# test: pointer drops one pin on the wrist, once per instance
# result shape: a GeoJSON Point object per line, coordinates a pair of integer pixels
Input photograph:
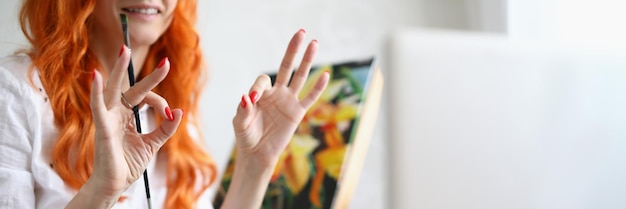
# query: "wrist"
{"type": "Point", "coordinates": [249, 181]}
{"type": "Point", "coordinates": [254, 164]}
{"type": "Point", "coordinates": [93, 194]}
{"type": "Point", "coordinates": [102, 188]}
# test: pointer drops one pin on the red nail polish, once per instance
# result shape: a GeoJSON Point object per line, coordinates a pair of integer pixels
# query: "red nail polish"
{"type": "Point", "coordinates": [243, 102]}
{"type": "Point", "coordinates": [162, 62]}
{"type": "Point", "coordinates": [121, 51]}
{"type": "Point", "coordinates": [169, 114]}
{"type": "Point", "coordinates": [254, 97]}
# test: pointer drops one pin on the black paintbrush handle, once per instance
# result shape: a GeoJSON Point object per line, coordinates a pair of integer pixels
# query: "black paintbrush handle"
{"type": "Point", "coordinates": [131, 80]}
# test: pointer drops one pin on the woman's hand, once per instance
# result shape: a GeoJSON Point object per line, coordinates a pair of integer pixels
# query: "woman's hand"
{"type": "Point", "coordinates": [122, 154]}
{"type": "Point", "coordinates": [266, 120]}
{"type": "Point", "coordinates": [267, 117]}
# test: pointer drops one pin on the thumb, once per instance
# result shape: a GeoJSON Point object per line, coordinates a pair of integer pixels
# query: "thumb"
{"type": "Point", "coordinates": [159, 136]}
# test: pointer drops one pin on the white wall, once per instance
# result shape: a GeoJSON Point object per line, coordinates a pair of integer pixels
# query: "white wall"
{"type": "Point", "coordinates": [592, 24]}
{"type": "Point", "coordinates": [11, 37]}
{"type": "Point", "coordinates": [243, 38]}
{"type": "Point", "coordinates": [485, 122]}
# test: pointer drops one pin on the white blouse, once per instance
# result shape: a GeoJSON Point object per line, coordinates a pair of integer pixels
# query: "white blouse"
{"type": "Point", "coordinates": [27, 136]}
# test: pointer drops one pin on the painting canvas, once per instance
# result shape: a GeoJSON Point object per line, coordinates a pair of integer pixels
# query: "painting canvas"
{"type": "Point", "coordinates": [310, 171]}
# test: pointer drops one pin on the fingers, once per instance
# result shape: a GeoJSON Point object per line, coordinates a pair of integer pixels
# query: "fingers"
{"type": "Point", "coordinates": [317, 90]}
{"type": "Point", "coordinates": [159, 103]}
{"type": "Point", "coordinates": [262, 83]}
{"type": "Point", "coordinates": [98, 108]}
{"type": "Point", "coordinates": [302, 73]}
{"type": "Point", "coordinates": [137, 93]}
{"type": "Point", "coordinates": [167, 128]}
{"type": "Point", "coordinates": [244, 110]}
{"type": "Point", "coordinates": [118, 74]}
{"type": "Point", "coordinates": [285, 70]}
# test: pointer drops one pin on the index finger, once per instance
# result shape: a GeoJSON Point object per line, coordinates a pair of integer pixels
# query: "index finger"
{"type": "Point", "coordinates": [113, 86]}
{"type": "Point", "coordinates": [286, 66]}
{"type": "Point", "coordinates": [137, 93]}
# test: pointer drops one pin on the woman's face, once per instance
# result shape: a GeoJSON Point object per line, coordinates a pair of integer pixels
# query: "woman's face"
{"type": "Point", "coordinates": [147, 19]}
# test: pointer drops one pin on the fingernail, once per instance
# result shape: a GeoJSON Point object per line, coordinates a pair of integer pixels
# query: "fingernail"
{"type": "Point", "coordinates": [243, 102]}
{"type": "Point", "coordinates": [302, 30]}
{"type": "Point", "coordinates": [315, 40]}
{"type": "Point", "coordinates": [121, 51]}
{"type": "Point", "coordinates": [254, 97]}
{"type": "Point", "coordinates": [162, 62]}
{"type": "Point", "coordinates": [93, 74]}
{"type": "Point", "coordinates": [169, 114]}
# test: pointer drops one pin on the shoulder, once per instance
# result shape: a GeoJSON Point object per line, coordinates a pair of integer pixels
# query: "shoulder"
{"type": "Point", "coordinates": [15, 64]}
{"type": "Point", "coordinates": [14, 73]}
{"type": "Point", "coordinates": [20, 90]}
{"type": "Point", "coordinates": [16, 79]}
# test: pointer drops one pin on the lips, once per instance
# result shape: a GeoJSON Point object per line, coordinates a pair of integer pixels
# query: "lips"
{"type": "Point", "coordinates": [142, 10]}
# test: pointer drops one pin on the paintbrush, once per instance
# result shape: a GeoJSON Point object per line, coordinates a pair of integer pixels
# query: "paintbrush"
{"type": "Point", "coordinates": [131, 80]}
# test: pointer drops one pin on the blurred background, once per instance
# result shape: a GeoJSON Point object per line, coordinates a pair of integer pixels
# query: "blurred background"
{"type": "Point", "coordinates": [487, 103]}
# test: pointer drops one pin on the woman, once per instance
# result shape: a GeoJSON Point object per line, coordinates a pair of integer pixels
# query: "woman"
{"type": "Point", "coordinates": [67, 137]}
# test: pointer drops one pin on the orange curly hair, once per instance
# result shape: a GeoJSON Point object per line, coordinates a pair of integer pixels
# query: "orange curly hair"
{"type": "Point", "coordinates": [59, 34]}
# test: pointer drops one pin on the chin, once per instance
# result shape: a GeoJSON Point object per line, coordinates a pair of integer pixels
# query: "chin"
{"type": "Point", "coordinates": [144, 39]}
{"type": "Point", "coordinates": [144, 33]}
